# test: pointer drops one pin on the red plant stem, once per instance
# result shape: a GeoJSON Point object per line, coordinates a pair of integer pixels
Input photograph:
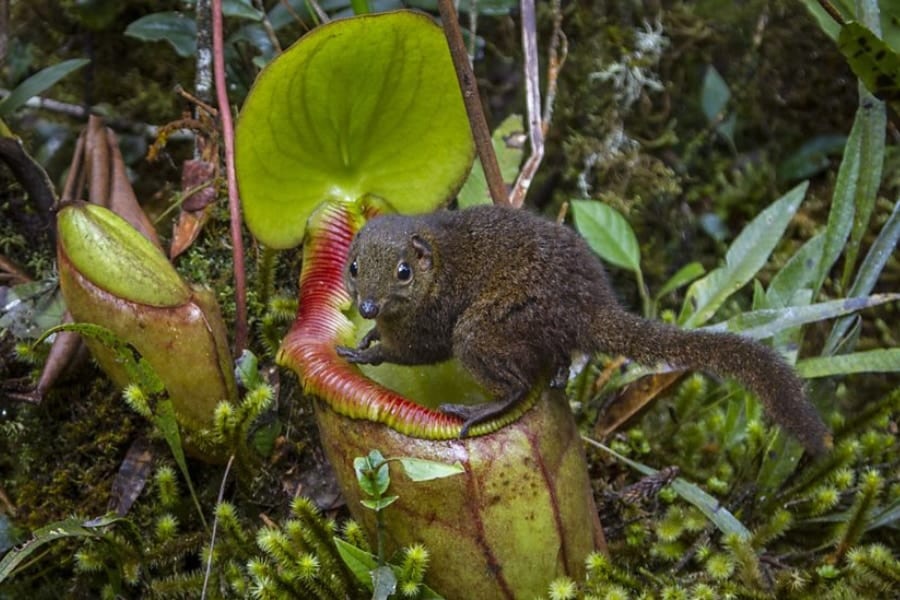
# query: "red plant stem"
{"type": "Point", "coordinates": [237, 245]}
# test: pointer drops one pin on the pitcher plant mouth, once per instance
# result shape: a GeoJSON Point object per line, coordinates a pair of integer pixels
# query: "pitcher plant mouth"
{"type": "Point", "coordinates": [322, 323]}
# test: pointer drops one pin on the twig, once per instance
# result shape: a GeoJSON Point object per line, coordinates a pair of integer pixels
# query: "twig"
{"type": "Point", "coordinates": [267, 25]}
{"type": "Point", "coordinates": [556, 58]}
{"type": "Point", "coordinates": [240, 286]}
{"type": "Point", "coordinates": [833, 12]}
{"type": "Point", "coordinates": [78, 111]}
{"type": "Point", "coordinates": [320, 14]}
{"type": "Point", "coordinates": [212, 537]}
{"type": "Point", "coordinates": [469, 86]}
{"type": "Point", "coordinates": [532, 104]}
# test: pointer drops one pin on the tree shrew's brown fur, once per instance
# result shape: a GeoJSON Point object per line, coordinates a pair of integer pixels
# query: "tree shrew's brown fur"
{"type": "Point", "coordinates": [512, 296]}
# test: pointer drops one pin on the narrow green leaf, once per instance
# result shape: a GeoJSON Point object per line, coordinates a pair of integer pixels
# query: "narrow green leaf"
{"type": "Point", "coordinates": [882, 360]}
{"type": "Point", "coordinates": [38, 83]}
{"type": "Point", "coordinates": [165, 421]}
{"type": "Point", "coordinates": [748, 253]}
{"type": "Point", "coordinates": [176, 28]}
{"type": "Point", "coordinates": [717, 514]}
{"type": "Point", "coordinates": [607, 233]}
{"type": "Point", "coordinates": [714, 94]}
{"type": "Point", "coordinates": [760, 324]}
{"type": "Point", "coordinates": [419, 469]}
{"type": "Point", "coordinates": [684, 276]}
{"type": "Point", "coordinates": [798, 273]}
{"type": "Point", "coordinates": [871, 162]}
{"type": "Point", "coordinates": [840, 217]}
{"type": "Point", "coordinates": [869, 272]}
{"type": "Point", "coordinates": [71, 527]}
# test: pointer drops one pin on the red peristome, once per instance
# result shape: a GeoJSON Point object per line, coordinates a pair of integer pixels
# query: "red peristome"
{"type": "Point", "coordinates": [309, 347]}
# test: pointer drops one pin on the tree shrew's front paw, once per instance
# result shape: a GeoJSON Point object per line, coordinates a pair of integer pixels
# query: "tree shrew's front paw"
{"type": "Point", "coordinates": [356, 355]}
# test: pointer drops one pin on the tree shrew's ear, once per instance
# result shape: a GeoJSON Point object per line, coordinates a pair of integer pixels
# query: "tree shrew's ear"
{"type": "Point", "coordinates": [422, 249]}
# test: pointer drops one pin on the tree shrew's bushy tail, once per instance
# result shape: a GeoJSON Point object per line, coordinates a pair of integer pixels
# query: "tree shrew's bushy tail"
{"type": "Point", "coordinates": [754, 365]}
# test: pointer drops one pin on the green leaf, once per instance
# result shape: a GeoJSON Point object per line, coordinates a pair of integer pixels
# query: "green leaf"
{"type": "Point", "coordinates": [508, 148]}
{"type": "Point", "coordinates": [869, 272]}
{"type": "Point", "coordinates": [811, 158]}
{"type": "Point", "coordinates": [872, 60]}
{"type": "Point", "coordinates": [241, 9]}
{"type": "Point", "coordinates": [746, 256]}
{"type": "Point", "coordinates": [714, 95]}
{"type": "Point", "coordinates": [67, 528]}
{"type": "Point", "coordinates": [843, 203]}
{"type": "Point", "coordinates": [165, 421]}
{"type": "Point", "coordinates": [685, 275]}
{"type": "Point", "coordinates": [717, 514]}
{"type": "Point", "coordinates": [607, 233]}
{"type": "Point", "coordinates": [870, 167]}
{"type": "Point", "coordinates": [379, 504]}
{"type": "Point", "coordinates": [419, 469]}
{"type": "Point", "coordinates": [384, 583]}
{"type": "Point", "coordinates": [882, 360]}
{"type": "Point", "coordinates": [246, 370]}
{"type": "Point", "coordinates": [767, 322]}
{"type": "Point", "coordinates": [367, 105]}
{"type": "Point", "coordinates": [38, 83]}
{"type": "Point", "coordinates": [176, 28]}
{"type": "Point", "coordinates": [798, 273]}
{"type": "Point", "coordinates": [360, 562]}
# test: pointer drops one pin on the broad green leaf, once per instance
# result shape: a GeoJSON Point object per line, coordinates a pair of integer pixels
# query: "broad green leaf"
{"type": "Point", "coordinates": [765, 323]}
{"type": "Point", "coordinates": [241, 9]}
{"type": "Point", "coordinates": [714, 94]}
{"type": "Point", "coordinates": [38, 83]}
{"type": "Point", "coordinates": [684, 276]}
{"type": "Point", "coordinates": [178, 29]}
{"type": "Point", "coordinates": [607, 233]}
{"type": "Point", "coordinates": [708, 505]}
{"type": "Point", "coordinates": [746, 256]}
{"type": "Point", "coordinates": [246, 370]}
{"type": "Point", "coordinates": [508, 149]}
{"type": "Point", "coordinates": [843, 202]}
{"type": "Point", "coordinates": [360, 562]}
{"type": "Point", "coordinates": [419, 469]}
{"type": "Point", "coordinates": [883, 360]}
{"type": "Point", "coordinates": [368, 105]}
{"type": "Point", "coordinates": [71, 527]}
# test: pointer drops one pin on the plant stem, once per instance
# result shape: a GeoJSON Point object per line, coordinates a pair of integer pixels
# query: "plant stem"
{"type": "Point", "coordinates": [237, 245]}
{"type": "Point", "coordinates": [469, 87]}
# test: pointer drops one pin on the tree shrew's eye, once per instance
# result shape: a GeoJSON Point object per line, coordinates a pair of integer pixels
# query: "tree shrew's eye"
{"type": "Point", "coordinates": [354, 269]}
{"type": "Point", "coordinates": [403, 271]}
